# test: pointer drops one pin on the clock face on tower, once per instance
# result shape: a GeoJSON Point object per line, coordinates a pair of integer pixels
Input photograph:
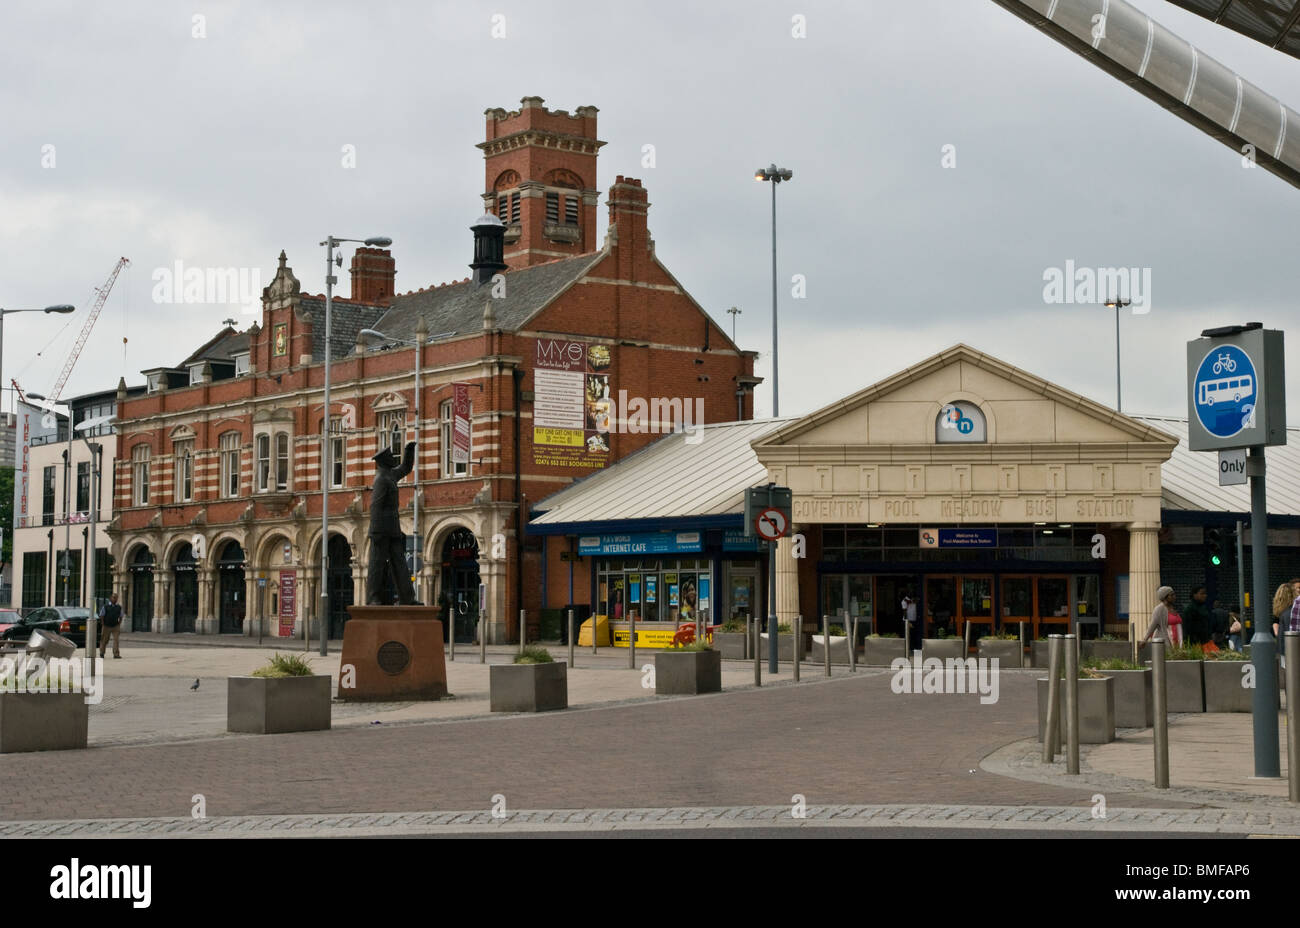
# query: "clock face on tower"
{"type": "Point", "coordinates": [281, 343]}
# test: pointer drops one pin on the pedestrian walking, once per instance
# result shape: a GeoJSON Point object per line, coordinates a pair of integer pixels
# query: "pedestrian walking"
{"type": "Point", "coordinates": [1197, 621]}
{"type": "Point", "coordinates": [1283, 600]}
{"type": "Point", "coordinates": [110, 618]}
{"type": "Point", "coordinates": [1160, 615]}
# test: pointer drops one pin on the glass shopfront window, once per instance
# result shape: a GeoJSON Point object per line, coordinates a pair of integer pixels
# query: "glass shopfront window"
{"type": "Point", "coordinates": [655, 590]}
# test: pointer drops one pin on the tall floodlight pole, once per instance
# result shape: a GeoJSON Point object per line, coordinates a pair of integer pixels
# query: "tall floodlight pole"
{"type": "Point", "coordinates": [1117, 304]}
{"type": "Point", "coordinates": [330, 280]}
{"type": "Point", "coordinates": [61, 308]}
{"type": "Point", "coordinates": [734, 311]}
{"type": "Point", "coordinates": [775, 175]}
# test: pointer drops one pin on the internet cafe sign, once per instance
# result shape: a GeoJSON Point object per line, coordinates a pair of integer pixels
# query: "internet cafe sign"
{"type": "Point", "coordinates": [1236, 394]}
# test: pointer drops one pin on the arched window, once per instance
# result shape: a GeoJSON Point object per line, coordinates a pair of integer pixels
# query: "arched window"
{"type": "Point", "coordinates": [183, 453]}
{"type": "Point", "coordinates": [263, 462]}
{"type": "Point", "coordinates": [960, 422]}
{"type": "Point", "coordinates": [229, 464]}
{"type": "Point", "coordinates": [140, 474]}
{"type": "Point", "coordinates": [281, 461]}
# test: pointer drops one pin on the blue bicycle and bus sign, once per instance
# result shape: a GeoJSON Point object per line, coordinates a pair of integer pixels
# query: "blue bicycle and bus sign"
{"type": "Point", "coordinates": [1236, 394]}
{"type": "Point", "coordinates": [1225, 388]}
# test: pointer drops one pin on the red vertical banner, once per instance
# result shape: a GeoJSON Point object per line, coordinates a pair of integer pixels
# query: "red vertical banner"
{"type": "Point", "coordinates": [288, 601]}
{"type": "Point", "coordinates": [460, 430]}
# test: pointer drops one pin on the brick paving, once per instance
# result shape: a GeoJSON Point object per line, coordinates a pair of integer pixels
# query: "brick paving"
{"type": "Point", "coordinates": [848, 741]}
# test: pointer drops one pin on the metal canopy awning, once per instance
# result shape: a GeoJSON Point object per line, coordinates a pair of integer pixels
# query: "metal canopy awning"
{"type": "Point", "coordinates": [1276, 23]}
{"type": "Point", "coordinates": [1137, 50]}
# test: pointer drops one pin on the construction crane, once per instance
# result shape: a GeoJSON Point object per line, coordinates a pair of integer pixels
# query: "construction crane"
{"type": "Point", "coordinates": [101, 297]}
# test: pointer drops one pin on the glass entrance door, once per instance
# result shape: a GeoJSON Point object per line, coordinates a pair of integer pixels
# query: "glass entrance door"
{"type": "Point", "coordinates": [940, 606]}
{"type": "Point", "coordinates": [742, 593]}
{"type": "Point", "coordinates": [976, 606]}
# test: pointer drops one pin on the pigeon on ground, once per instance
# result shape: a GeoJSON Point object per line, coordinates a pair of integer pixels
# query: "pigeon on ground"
{"type": "Point", "coordinates": [195, 685]}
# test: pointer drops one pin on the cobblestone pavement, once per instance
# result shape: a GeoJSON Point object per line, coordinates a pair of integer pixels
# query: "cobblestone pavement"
{"type": "Point", "coordinates": [848, 740]}
{"type": "Point", "coordinates": [484, 821]}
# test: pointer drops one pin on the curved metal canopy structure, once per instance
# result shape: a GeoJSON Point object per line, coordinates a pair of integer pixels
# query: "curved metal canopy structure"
{"type": "Point", "coordinates": [1134, 48]}
{"type": "Point", "coordinates": [1276, 23]}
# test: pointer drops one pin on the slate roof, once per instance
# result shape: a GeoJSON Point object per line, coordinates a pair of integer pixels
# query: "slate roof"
{"type": "Point", "coordinates": [221, 347]}
{"type": "Point", "coordinates": [348, 319]}
{"type": "Point", "coordinates": [671, 478]}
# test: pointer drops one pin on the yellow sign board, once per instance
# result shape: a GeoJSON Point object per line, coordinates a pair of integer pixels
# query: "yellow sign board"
{"type": "Point", "coordinates": [645, 638]}
{"type": "Point", "coordinates": [571, 438]}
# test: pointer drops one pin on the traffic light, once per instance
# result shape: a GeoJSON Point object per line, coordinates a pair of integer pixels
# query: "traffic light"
{"type": "Point", "coordinates": [1214, 542]}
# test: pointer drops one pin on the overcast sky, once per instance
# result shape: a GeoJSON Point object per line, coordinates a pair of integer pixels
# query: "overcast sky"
{"type": "Point", "coordinates": [218, 151]}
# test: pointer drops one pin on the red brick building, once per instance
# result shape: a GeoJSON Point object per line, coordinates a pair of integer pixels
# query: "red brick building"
{"type": "Point", "coordinates": [573, 355]}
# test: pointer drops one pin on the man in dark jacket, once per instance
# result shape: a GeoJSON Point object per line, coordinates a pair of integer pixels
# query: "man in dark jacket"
{"type": "Point", "coordinates": [387, 541]}
{"type": "Point", "coordinates": [1196, 620]}
{"type": "Point", "coordinates": [110, 617]}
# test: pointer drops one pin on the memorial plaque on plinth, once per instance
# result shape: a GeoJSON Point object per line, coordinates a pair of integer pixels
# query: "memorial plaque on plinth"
{"type": "Point", "coordinates": [392, 653]}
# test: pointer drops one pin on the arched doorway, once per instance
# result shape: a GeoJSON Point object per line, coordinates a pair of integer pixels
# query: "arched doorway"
{"type": "Point", "coordinates": [185, 595]}
{"type": "Point", "coordinates": [231, 607]}
{"type": "Point", "coordinates": [459, 591]}
{"type": "Point", "coordinates": [141, 571]}
{"type": "Point", "coordinates": [340, 584]}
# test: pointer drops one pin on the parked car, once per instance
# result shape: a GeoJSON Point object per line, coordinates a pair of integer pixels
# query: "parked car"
{"type": "Point", "coordinates": [8, 617]}
{"type": "Point", "coordinates": [68, 621]}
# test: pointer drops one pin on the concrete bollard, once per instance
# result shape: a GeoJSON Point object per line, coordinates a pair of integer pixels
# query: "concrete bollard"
{"type": "Point", "coordinates": [798, 641]}
{"type": "Point", "coordinates": [826, 642]}
{"type": "Point", "coordinates": [1052, 729]}
{"type": "Point", "coordinates": [1071, 705]}
{"type": "Point", "coordinates": [1160, 730]}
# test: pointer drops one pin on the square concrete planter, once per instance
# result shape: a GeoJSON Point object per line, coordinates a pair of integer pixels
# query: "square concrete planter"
{"type": "Point", "coordinates": [688, 673]}
{"type": "Point", "coordinates": [1038, 654]}
{"type": "Point", "coordinates": [784, 647]}
{"type": "Point", "coordinates": [1096, 710]}
{"type": "Point", "coordinates": [1134, 704]}
{"type": "Point", "coordinates": [839, 650]}
{"type": "Point", "coordinates": [1185, 685]}
{"type": "Point", "coordinates": [1223, 689]}
{"type": "Point", "coordinates": [1008, 653]}
{"type": "Point", "coordinates": [274, 705]}
{"type": "Point", "coordinates": [43, 722]}
{"type": "Point", "coordinates": [529, 687]}
{"type": "Point", "coordinates": [881, 652]}
{"type": "Point", "coordinates": [1108, 650]}
{"type": "Point", "coordinates": [943, 648]}
{"type": "Point", "coordinates": [731, 645]}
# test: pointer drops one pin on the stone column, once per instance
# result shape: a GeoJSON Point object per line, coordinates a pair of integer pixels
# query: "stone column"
{"type": "Point", "coordinates": [205, 623]}
{"type": "Point", "coordinates": [252, 603]}
{"type": "Point", "coordinates": [787, 579]}
{"type": "Point", "coordinates": [161, 608]}
{"type": "Point", "coordinates": [1143, 575]}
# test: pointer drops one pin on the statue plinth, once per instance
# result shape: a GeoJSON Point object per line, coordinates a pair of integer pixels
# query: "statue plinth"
{"type": "Point", "coordinates": [391, 653]}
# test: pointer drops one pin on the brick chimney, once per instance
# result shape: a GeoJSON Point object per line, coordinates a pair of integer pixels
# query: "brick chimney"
{"type": "Point", "coordinates": [628, 208]}
{"type": "Point", "coordinates": [374, 274]}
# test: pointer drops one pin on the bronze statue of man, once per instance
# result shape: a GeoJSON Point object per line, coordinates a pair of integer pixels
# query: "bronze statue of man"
{"type": "Point", "coordinates": [387, 541]}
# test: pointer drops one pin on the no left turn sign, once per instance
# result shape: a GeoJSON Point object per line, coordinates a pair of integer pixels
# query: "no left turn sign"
{"type": "Point", "coordinates": [771, 524]}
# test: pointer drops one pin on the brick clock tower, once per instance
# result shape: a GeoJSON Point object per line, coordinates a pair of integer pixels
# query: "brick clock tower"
{"type": "Point", "coordinates": [541, 180]}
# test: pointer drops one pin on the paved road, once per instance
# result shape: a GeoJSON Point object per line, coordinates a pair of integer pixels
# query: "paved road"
{"type": "Point", "coordinates": [849, 740]}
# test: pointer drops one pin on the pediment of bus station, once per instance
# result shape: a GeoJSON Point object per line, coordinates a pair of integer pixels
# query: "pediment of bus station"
{"type": "Point", "coordinates": [1051, 455]}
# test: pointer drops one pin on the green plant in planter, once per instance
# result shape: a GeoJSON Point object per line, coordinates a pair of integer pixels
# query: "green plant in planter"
{"type": "Point", "coordinates": [1110, 663]}
{"type": "Point", "coordinates": [692, 646]}
{"type": "Point", "coordinates": [733, 625]}
{"type": "Point", "coordinates": [784, 628]}
{"type": "Point", "coordinates": [943, 633]}
{"type": "Point", "coordinates": [1002, 635]}
{"type": "Point", "coordinates": [837, 630]}
{"type": "Point", "coordinates": [1184, 652]}
{"type": "Point", "coordinates": [1224, 654]}
{"type": "Point", "coordinates": [884, 635]}
{"type": "Point", "coordinates": [284, 665]}
{"type": "Point", "coordinates": [534, 655]}
{"type": "Point", "coordinates": [1109, 637]}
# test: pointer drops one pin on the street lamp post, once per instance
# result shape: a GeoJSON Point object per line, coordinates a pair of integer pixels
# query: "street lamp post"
{"type": "Point", "coordinates": [1117, 304]}
{"type": "Point", "coordinates": [330, 244]}
{"type": "Point", "coordinates": [735, 311]}
{"type": "Point", "coordinates": [59, 308]}
{"type": "Point", "coordinates": [775, 175]}
{"type": "Point", "coordinates": [96, 450]}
